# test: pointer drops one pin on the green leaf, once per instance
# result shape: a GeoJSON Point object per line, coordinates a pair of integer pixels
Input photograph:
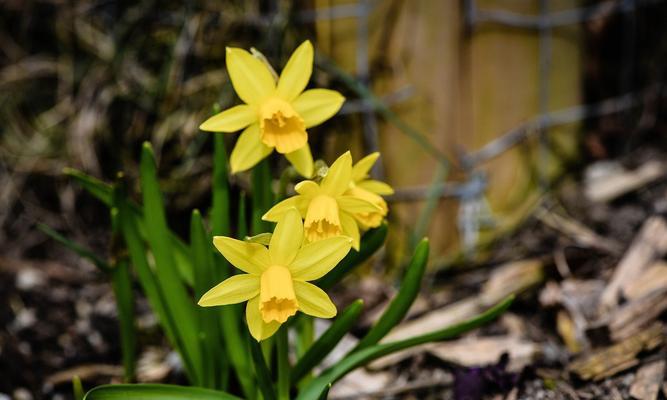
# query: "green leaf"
{"type": "Point", "coordinates": [305, 330]}
{"type": "Point", "coordinates": [262, 196]}
{"type": "Point", "coordinates": [314, 389]}
{"type": "Point", "coordinates": [284, 367]}
{"type": "Point", "coordinates": [128, 223]}
{"type": "Point", "coordinates": [220, 214]}
{"type": "Point", "coordinates": [75, 247]}
{"type": "Point", "coordinates": [430, 205]}
{"type": "Point", "coordinates": [103, 192]}
{"type": "Point", "coordinates": [215, 363]}
{"type": "Point", "coordinates": [329, 339]}
{"type": "Point", "coordinates": [178, 304]}
{"type": "Point", "coordinates": [242, 222]}
{"type": "Point", "coordinates": [155, 392]}
{"type": "Point", "coordinates": [261, 371]}
{"type": "Point", "coordinates": [77, 388]}
{"type": "Point", "coordinates": [122, 287]}
{"type": "Point", "coordinates": [230, 316]}
{"type": "Point", "coordinates": [94, 186]}
{"type": "Point", "coordinates": [370, 243]}
{"type": "Point", "coordinates": [325, 393]}
{"type": "Point", "coordinates": [400, 305]}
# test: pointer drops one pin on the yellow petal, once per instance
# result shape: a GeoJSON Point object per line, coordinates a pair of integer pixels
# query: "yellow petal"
{"type": "Point", "coordinates": [307, 188]}
{"type": "Point", "coordinates": [296, 74]}
{"type": "Point", "coordinates": [249, 150]}
{"type": "Point", "coordinates": [276, 212]}
{"type": "Point", "coordinates": [232, 290]}
{"type": "Point", "coordinates": [251, 258]}
{"type": "Point", "coordinates": [231, 120]}
{"type": "Point", "coordinates": [350, 229]}
{"type": "Point", "coordinates": [316, 259]}
{"type": "Point", "coordinates": [287, 238]}
{"type": "Point", "coordinates": [261, 238]}
{"type": "Point", "coordinates": [302, 160]}
{"type": "Point", "coordinates": [259, 329]}
{"type": "Point", "coordinates": [360, 169]}
{"type": "Point", "coordinates": [376, 187]}
{"type": "Point", "coordinates": [355, 205]}
{"type": "Point", "coordinates": [313, 300]}
{"type": "Point", "coordinates": [251, 79]}
{"type": "Point", "coordinates": [339, 176]}
{"type": "Point", "coordinates": [317, 105]}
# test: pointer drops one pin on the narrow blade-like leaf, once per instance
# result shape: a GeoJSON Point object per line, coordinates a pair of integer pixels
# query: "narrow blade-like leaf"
{"type": "Point", "coordinates": [215, 363]}
{"type": "Point", "coordinates": [314, 389]}
{"type": "Point", "coordinates": [329, 339]}
{"type": "Point", "coordinates": [370, 243]}
{"type": "Point", "coordinates": [262, 372]}
{"type": "Point", "coordinates": [155, 392]}
{"type": "Point", "coordinates": [178, 304]}
{"type": "Point", "coordinates": [75, 247]}
{"type": "Point", "coordinates": [400, 305]}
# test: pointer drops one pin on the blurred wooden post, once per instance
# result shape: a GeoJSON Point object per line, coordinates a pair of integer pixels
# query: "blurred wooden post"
{"type": "Point", "coordinates": [469, 88]}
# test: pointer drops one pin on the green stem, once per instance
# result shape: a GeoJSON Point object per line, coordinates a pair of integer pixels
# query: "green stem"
{"type": "Point", "coordinates": [306, 328]}
{"type": "Point", "coordinates": [283, 364]}
{"type": "Point", "coordinates": [262, 197]}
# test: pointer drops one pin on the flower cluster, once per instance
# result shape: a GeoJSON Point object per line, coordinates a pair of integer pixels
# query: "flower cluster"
{"type": "Point", "coordinates": [275, 114]}
{"type": "Point", "coordinates": [318, 226]}
{"type": "Point", "coordinates": [343, 203]}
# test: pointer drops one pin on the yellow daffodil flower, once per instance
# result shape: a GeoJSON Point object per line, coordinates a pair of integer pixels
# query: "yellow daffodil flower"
{"type": "Point", "coordinates": [369, 190]}
{"type": "Point", "coordinates": [275, 282]}
{"type": "Point", "coordinates": [276, 114]}
{"type": "Point", "coordinates": [326, 209]}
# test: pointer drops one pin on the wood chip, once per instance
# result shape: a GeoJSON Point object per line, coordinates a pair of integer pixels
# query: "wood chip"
{"type": "Point", "coordinates": [649, 245]}
{"type": "Point", "coordinates": [632, 317]}
{"type": "Point", "coordinates": [474, 352]}
{"type": "Point", "coordinates": [568, 332]}
{"type": "Point", "coordinates": [85, 372]}
{"type": "Point", "coordinates": [648, 380]}
{"type": "Point", "coordinates": [360, 381]}
{"type": "Point", "coordinates": [577, 232]}
{"type": "Point", "coordinates": [437, 319]}
{"type": "Point", "coordinates": [609, 186]}
{"type": "Point", "coordinates": [654, 278]}
{"type": "Point", "coordinates": [512, 277]}
{"type": "Point", "coordinates": [619, 357]}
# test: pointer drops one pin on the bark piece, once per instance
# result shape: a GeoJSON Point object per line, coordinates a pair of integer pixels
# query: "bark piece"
{"type": "Point", "coordinates": [474, 352]}
{"type": "Point", "coordinates": [632, 317]}
{"type": "Point", "coordinates": [579, 233]}
{"type": "Point", "coordinates": [619, 357]}
{"type": "Point", "coordinates": [616, 182]}
{"type": "Point", "coordinates": [512, 277]}
{"type": "Point", "coordinates": [85, 372]}
{"type": "Point", "coordinates": [509, 278]}
{"type": "Point", "coordinates": [654, 278]}
{"type": "Point", "coordinates": [649, 245]}
{"type": "Point", "coordinates": [648, 380]}
{"type": "Point", "coordinates": [568, 331]}
{"type": "Point", "coordinates": [438, 319]}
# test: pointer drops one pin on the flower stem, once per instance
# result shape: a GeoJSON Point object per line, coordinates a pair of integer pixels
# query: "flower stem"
{"type": "Point", "coordinates": [283, 364]}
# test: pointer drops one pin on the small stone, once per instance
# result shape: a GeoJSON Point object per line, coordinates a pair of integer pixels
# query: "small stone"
{"type": "Point", "coordinates": [29, 278]}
